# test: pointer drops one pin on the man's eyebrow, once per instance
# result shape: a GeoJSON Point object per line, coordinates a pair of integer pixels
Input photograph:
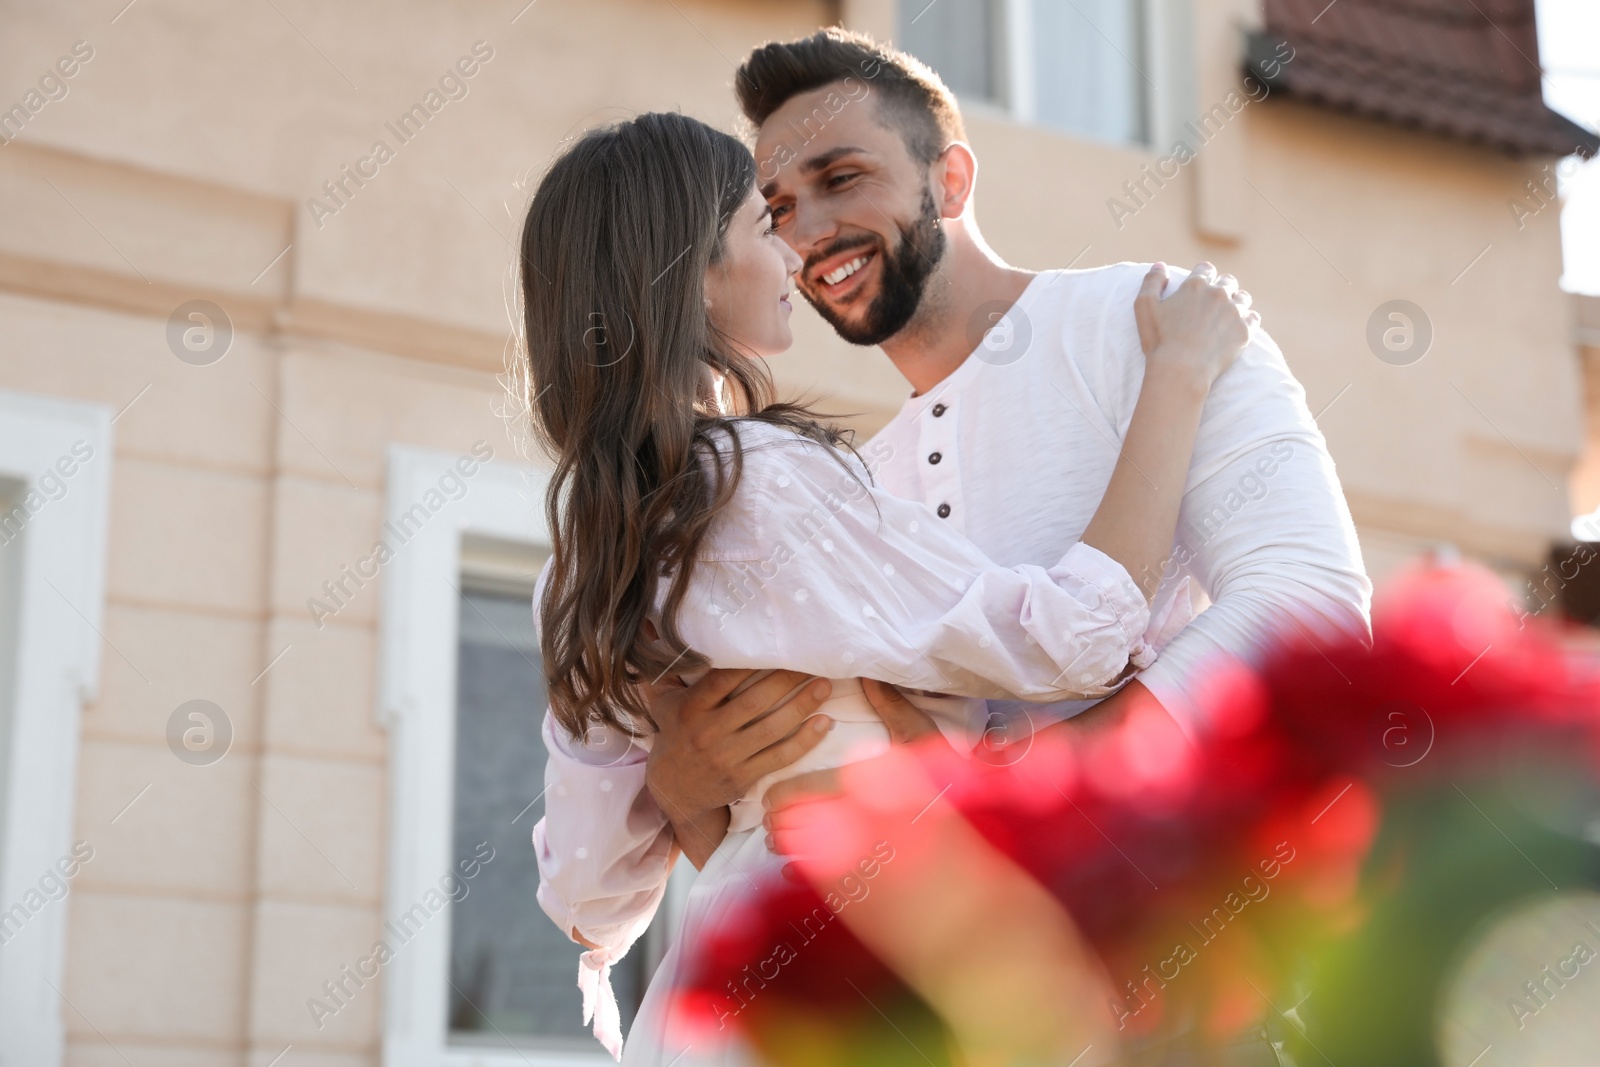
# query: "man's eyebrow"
{"type": "Point", "coordinates": [814, 165]}
{"type": "Point", "coordinates": [828, 159]}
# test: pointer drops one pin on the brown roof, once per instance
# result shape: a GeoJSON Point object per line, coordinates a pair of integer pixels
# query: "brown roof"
{"type": "Point", "coordinates": [1463, 68]}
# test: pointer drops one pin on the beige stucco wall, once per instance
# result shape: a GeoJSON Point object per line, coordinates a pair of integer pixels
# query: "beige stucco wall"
{"type": "Point", "coordinates": [178, 167]}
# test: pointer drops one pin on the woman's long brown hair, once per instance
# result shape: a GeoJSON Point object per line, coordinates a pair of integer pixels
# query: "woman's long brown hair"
{"type": "Point", "coordinates": [613, 260]}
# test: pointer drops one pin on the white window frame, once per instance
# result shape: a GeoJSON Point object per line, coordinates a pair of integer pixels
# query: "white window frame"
{"type": "Point", "coordinates": [57, 672]}
{"type": "Point", "coordinates": [417, 703]}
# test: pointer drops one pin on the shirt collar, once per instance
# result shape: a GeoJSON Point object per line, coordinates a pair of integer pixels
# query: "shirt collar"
{"type": "Point", "coordinates": [973, 364]}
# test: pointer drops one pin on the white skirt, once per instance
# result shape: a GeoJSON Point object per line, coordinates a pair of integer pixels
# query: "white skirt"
{"type": "Point", "coordinates": [738, 865]}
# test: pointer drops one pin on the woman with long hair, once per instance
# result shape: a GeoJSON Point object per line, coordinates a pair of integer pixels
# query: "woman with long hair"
{"type": "Point", "coordinates": [697, 522]}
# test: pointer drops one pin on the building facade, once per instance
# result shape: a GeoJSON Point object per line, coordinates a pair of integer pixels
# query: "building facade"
{"type": "Point", "coordinates": [268, 759]}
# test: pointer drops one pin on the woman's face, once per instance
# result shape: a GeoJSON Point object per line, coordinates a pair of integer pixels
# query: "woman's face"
{"type": "Point", "coordinates": [748, 289]}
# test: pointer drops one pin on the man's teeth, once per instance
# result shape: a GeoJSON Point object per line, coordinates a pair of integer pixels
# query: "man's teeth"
{"type": "Point", "coordinates": [834, 277]}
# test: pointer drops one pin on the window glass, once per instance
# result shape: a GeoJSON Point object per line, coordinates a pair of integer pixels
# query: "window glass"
{"type": "Point", "coordinates": [960, 40]}
{"type": "Point", "coordinates": [1089, 67]}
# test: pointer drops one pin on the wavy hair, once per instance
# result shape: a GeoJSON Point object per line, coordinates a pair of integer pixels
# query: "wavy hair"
{"type": "Point", "coordinates": [612, 267]}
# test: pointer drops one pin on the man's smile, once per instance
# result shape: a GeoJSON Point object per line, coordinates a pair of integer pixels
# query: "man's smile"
{"type": "Point", "coordinates": [840, 276]}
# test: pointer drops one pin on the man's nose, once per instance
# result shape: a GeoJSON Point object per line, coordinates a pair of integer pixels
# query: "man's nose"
{"type": "Point", "coordinates": [811, 232]}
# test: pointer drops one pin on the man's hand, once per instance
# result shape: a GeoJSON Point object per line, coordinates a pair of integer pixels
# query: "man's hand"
{"type": "Point", "coordinates": [906, 723]}
{"type": "Point", "coordinates": [711, 746]}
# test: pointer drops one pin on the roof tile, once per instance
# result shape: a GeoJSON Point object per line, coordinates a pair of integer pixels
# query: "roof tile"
{"type": "Point", "coordinates": [1463, 68]}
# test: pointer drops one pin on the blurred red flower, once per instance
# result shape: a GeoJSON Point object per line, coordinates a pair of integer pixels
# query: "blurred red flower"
{"type": "Point", "coordinates": [1198, 872]}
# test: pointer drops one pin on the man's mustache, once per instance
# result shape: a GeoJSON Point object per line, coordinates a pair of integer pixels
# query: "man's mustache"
{"type": "Point", "coordinates": [844, 244]}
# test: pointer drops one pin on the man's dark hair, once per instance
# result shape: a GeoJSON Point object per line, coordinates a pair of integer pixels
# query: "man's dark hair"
{"type": "Point", "coordinates": [908, 90]}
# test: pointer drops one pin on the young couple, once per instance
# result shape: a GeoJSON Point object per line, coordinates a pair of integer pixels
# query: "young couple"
{"type": "Point", "coordinates": [734, 595]}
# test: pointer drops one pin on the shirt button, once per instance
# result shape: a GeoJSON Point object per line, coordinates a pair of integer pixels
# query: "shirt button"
{"type": "Point", "coordinates": [934, 457]}
{"type": "Point", "coordinates": [944, 511]}
{"type": "Point", "coordinates": [939, 409]}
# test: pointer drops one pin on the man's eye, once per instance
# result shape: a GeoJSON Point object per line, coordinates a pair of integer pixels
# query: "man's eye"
{"type": "Point", "coordinates": [838, 181]}
{"type": "Point", "coordinates": [778, 214]}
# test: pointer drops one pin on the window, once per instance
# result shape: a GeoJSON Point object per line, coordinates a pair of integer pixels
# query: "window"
{"type": "Point", "coordinates": [1086, 67]}
{"type": "Point", "coordinates": [55, 477]}
{"type": "Point", "coordinates": [495, 983]}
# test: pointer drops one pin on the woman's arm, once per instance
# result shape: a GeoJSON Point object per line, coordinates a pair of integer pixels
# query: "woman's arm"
{"type": "Point", "coordinates": [603, 853]}
{"type": "Point", "coordinates": [1189, 338]}
{"type": "Point", "coordinates": [832, 576]}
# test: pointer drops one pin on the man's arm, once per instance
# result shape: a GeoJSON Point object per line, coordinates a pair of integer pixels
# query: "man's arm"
{"type": "Point", "coordinates": [908, 723]}
{"type": "Point", "coordinates": [1188, 338]}
{"type": "Point", "coordinates": [1264, 528]}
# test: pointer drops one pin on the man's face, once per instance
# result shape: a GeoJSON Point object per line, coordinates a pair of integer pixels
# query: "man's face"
{"type": "Point", "coordinates": [848, 197]}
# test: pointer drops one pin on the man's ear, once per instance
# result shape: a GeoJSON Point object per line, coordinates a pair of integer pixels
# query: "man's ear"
{"type": "Point", "coordinates": [955, 172]}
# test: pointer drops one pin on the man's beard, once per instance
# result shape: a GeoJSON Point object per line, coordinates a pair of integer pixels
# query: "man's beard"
{"type": "Point", "coordinates": [903, 278]}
